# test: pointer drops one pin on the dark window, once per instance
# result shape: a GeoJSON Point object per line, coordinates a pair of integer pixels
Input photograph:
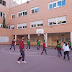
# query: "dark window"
{"type": "Point", "coordinates": [20, 14]}
{"type": "Point", "coordinates": [33, 11]}
{"type": "Point", "coordinates": [1, 25]}
{"type": "Point", "coordinates": [41, 24]}
{"type": "Point", "coordinates": [35, 25]}
{"type": "Point", "coordinates": [25, 26]}
{"type": "Point", "coordinates": [0, 1]}
{"type": "Point", "coordinates": [31, 25]}
{"type": "Point", "coordinates": [1, 14]}
{"type": "Point", "coordinates": [13, 16]}
{"type": "Point", "coordinates": [25, 13]}
{"type": "Point", "coordinates": [50, 23]}
{"type": "Point", "coordinates": [63, 21]}
{"type": "Point", "coordinates": [59, 22]}
{"type": "Point", "coordinates": [4, 3]}
{"type": "Point", "coordinates": [54, 22]}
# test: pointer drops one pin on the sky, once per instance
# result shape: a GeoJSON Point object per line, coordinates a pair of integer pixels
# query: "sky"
{"type": "Point", "coordinates": [20, 1]}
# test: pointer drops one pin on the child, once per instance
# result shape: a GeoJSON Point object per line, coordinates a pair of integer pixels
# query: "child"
{"type": "Point", "coordinates": [69, 44]}
{"type": "Point", "coordinates": [38, 47]}
{"type": "Point", "coordinates": [44, 48]}
{"type": "Point", "coordinates": [66, 51]}
{"type": "Point", "coordinates": [28, 44]}
{"type": "Point", "coordinates": [21, 47]}
{"type": "Point", "coordinates": [58, 47]}
{"type": "Point", "coordinates": [37, 44]}
{"type": "Point", "coordinates": [13, 44]}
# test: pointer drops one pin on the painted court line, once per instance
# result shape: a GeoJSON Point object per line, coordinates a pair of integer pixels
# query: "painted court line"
{"type": "Point", "coordinates": [30, 54]}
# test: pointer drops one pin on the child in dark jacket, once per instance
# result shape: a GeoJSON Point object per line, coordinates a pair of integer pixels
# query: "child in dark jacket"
{"type": "Point", "coordinates": [44, 48]}
{"type": "Point", "coordinates": [58, 47]}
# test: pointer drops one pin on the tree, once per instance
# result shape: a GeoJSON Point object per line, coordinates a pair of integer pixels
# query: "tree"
{"type": "Point", "coordinates": [4, 25]}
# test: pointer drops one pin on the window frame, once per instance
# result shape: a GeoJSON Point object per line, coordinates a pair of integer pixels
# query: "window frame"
{"type": "Point", "coordinates": [34, 10]}
{"type": "Point", "coordinates": [21, 25]}
{"type": "Point", "coordinates": [57, 21]}
{"type": "Point", "coordinates": [12, 15]}
{"type": "Point", "coordinates": [11, 27]}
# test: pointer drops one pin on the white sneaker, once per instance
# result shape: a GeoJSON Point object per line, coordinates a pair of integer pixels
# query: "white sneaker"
{"type": "Point", "coordinates": [18, 62]}
{"type": "Point", "coordinates": [23, 61]}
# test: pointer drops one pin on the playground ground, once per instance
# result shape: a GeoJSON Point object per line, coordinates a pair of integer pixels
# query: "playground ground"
{"type": "Point", "coordinates": [35, 61]}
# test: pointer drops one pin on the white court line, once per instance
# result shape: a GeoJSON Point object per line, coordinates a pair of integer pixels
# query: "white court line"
{"type": "Point", "coordinates": [25, 54]}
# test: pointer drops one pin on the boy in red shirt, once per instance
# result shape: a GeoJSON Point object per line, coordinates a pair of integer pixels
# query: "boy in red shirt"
{"type": "Point", "coordinates": [44, 48]}
{"type": "Point", "coordinates": [37, 44]}
{"type": "Point", "coordinates": [21, 47]}
{"type": "Point", "coordinates": [58, 47]}
{"type": "Point", "coordinates": [13, 44]}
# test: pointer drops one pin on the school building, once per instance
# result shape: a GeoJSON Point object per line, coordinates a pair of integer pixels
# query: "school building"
{"type": "Point", "coordinates": [49, 20]}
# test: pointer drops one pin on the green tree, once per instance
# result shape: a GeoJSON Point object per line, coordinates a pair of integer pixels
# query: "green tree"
{"type": "Point", "coordinates": [4, 25]}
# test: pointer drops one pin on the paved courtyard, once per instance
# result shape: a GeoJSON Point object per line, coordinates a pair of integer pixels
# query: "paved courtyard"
{"type": "Point", "coordinates": [35, 61]}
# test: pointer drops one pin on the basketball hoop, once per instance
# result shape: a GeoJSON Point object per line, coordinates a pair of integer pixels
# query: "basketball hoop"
{"type": "Point", "coordinates": [39, 31]}
{"type": "Point", "coordinates": [38, 34]}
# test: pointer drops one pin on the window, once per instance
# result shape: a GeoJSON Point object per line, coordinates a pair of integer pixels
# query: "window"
{"type": "Point", "coordinates": [2, 14]}
{"type": "Point", "coordinates": [0, 1]}
{"type": "Point", "coordinates": [50, 6]}
{"type": "Point", "coordinates": [56, 21]}
{"type": "Point", "coordinates": [54, 5]}
{"type": "Point", "coordinates": [19, 14]}
{"type": "Point", "coordinates": [1, 25]}
{"type": "Point", "coordinates": [22, 26]}
{"type": "Point", "coordinates": [34, 10]}
{"type": "Point", "coordinates": [24, 13]}
{"type": "Point", "coordinates": [61, 20]}
{"type": "Point", "coordinates": [12, 16]}
{"type": "Point", "coordinates": [4, 3]}
{"type": "Point", "coordinates": [12, 27]}
{"type": "Point", "coordinates": [4, 39]}
{"type": "Point", "coordinates": [59, 4]}
{"type": "Point", "coordinates": [63, 2]}
{"type": "Point", "coordinates": [37, 24]}
{"type": "Point", "coordinates": [52, 21]}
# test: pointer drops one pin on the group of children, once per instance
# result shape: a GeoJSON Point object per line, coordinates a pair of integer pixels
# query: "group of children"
{"type": "Point", "coordinates": [65, 47]}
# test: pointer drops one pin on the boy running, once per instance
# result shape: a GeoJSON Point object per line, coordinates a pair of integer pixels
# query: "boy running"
{"type": "Point", "coordinates": [13, 44]}
{"type": "Point", "coordinates": [28, 44]}
{"type": "Point", "coordinates": [38, 47]}
{"type": "Point", "coordinates": [58, 47]}
{"type": "Point", "coordinates": [21, 47]}
{"type": "Point", "coordinates": [44, 48]}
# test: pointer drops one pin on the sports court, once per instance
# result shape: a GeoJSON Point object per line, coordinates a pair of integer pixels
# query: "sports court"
{"type": "Point", "coordinates": [35, 61]}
